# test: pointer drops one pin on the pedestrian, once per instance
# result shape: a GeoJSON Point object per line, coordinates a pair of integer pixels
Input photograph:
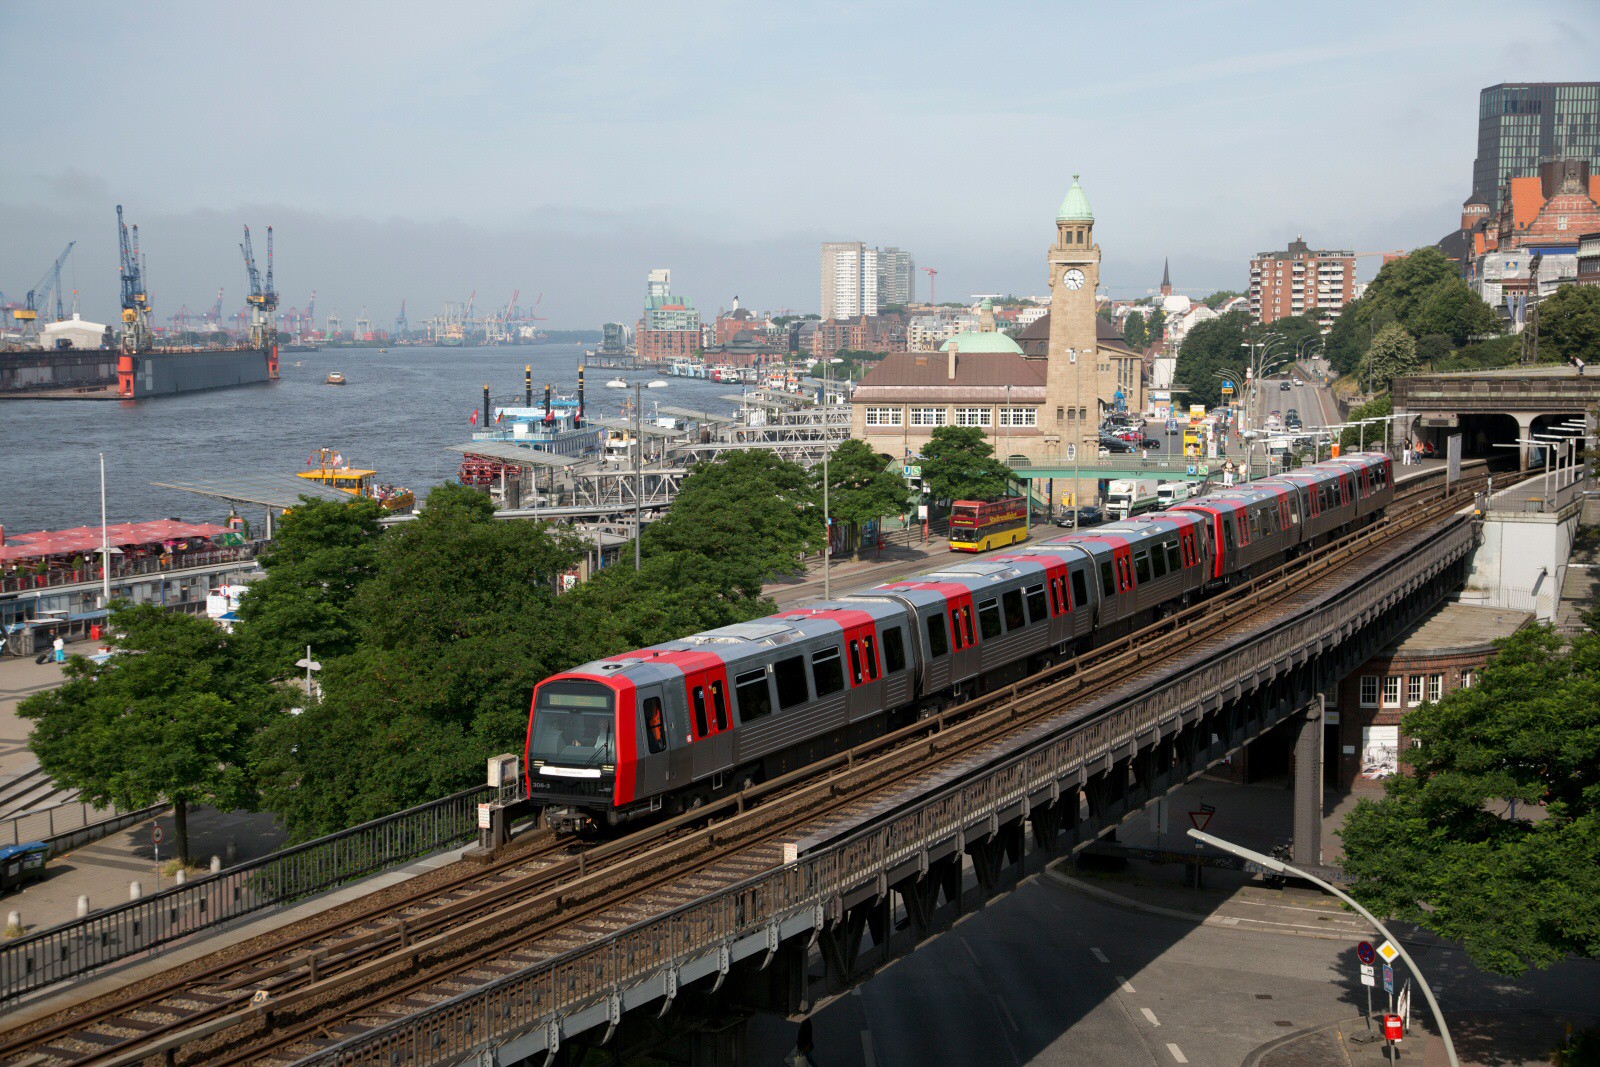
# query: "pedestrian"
{"type": "Point", "coordinates": [802, 1056]}
{"type": "Point", "coordinates": [1576, 362]}
{"type": "Point", "coordinates": [61, 649]}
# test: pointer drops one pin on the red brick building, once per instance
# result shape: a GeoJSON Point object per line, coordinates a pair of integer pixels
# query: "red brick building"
{"type": "Point", "coordinates": [1301, 281]}
{"type": "Point", "coordinates": [738, 322]}
{"type": "Point", "coordinates": [877, 333]}
{"type": "Point", "coordinates": [667, 344]}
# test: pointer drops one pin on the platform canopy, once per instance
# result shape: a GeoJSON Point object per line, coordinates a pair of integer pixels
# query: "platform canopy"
{"type": "Point", "coordinates": [698, 416]}
{"type": "Point", "coordinates": [86, 540]}
{"type": "Point", "coordinates": [521, 455]}
{"type": "Point", "coordinates": [272, 489]}
{"type": "Point", "coordinates": [645, 428]}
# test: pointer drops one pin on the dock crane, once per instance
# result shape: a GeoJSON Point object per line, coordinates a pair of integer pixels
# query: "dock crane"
{"type": "Point", "coordinates": [400, 324]}
{"type": "Point", "coordinates": [136, 335]}
{"type": "Point", "coordinates": [214, 316]}
{"type": "Point", "coordinates": [27, 316]}
{"type": "Point", "coordinates": [262, 299]}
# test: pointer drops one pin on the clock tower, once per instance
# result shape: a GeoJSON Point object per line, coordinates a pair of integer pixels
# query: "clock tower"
{"type": "Point", "coordinates": [1071, 412]}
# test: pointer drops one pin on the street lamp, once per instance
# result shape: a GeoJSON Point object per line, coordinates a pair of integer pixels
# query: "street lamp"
{"type": "Point", "coordinates": [310, 665]}
{"type": "Point", "coordinates": [827, 448]}
{"type": "Point", "coordinates": [1279, 867]}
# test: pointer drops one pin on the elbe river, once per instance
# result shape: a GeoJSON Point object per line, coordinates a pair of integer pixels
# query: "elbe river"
{"type": "Point", "coordinates": [398, 414]}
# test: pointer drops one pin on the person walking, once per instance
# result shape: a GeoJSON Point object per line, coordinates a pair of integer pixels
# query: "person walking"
{"type": "Point", "coordinates": [804, 1046]}
{"type": "Point", "coordinates": [61, 649]}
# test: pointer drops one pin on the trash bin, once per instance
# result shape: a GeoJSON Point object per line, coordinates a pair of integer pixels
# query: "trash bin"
{"type": "Point", "coordinates": [94, 631]}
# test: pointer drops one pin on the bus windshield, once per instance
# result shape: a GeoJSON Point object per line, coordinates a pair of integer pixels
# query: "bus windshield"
{"type": "Point", "coordinates": [572, 724]}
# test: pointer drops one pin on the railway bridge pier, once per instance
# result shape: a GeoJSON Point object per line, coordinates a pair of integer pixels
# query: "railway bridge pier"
{"type": "Point", "coordinates": [855, 891]}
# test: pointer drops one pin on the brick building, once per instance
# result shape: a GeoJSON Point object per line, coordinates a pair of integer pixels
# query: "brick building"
{"type": "Point", "coordinates": [739, 321]}
{"type": "Point", "coordinates": [1541, 214]}
{"type": "Point", "coordinates": [1439, 655]}
{"type": "Point", "coordinates": [1301, 280]}
{"type": "Point", "coordinates": [880, 333]}
{"type": "Point", "coordinates": [670, 326]}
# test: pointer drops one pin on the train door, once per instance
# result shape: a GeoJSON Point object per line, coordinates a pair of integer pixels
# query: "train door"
{"type": "Point", "coordinates": [964, 636]}
{"type": "Point", "coordinates": [675, 704]}
{"type": "Point", "coordinates": [863, 663]}
{"type": "Point", "coordinates": [710, 723]}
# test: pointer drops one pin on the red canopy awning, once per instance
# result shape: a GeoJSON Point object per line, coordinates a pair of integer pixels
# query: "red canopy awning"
{"type": "Point", "coordinates": [85, 540]}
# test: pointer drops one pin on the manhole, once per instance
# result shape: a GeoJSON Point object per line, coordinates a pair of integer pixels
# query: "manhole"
{"type": "Point", "coordinates": [1282, 1022]}
{"type": "Point", "coordinates": [1263, 996]}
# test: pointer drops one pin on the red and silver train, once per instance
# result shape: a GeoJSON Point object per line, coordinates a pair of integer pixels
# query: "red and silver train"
{"type": "Point", "coordinates": [669, 727]}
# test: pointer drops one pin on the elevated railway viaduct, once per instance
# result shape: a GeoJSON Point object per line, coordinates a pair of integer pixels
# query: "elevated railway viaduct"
{"type": "Point", "coordinates": [792, 922]}
{"type": "Point", "coordinates": [1492, 408]}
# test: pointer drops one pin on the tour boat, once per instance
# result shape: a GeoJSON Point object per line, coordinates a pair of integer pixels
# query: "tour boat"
{"type": "Point", "coordinates": [334, 379]}
{"type": "Point", "coordinates": [329, 467]}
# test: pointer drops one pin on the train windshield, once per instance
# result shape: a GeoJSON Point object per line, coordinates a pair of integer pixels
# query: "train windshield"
{"type": "Point", "coordinates": [573, 724]}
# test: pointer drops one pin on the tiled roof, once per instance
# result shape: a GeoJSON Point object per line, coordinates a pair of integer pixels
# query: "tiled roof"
{"type": "Point", "coordinates": [930, 369]}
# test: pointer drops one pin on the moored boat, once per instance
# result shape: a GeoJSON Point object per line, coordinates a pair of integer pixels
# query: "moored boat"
{"type": "Point", "coordinates": [329, 467]}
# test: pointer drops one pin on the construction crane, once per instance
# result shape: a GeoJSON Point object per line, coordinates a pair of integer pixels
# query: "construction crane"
{"type": "Point", "coordinates": [27, 316]}
{"type": "Point", "coordinates": [214, 316]}
{"type": "Point", "coordinates": [400, 324]}
{"type": "Point", "coordinates": [933, 284]}
{"type": "Point", "coordinates": [262, 300]}
{"type": "Point", "coordinates": [136, 335]}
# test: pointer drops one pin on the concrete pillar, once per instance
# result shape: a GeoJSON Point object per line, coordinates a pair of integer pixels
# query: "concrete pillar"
{"type": "Point", "coordinates": [181, 877]}
{"type": "Point", "coordinates": [135, 890]}
{"type": "Point", "coordinates": [83, 907]}
{"type": "Point", "coordinates": [1308, 786]}
{"type": "Point", "coordinates": [216, 864]}
{"type": "Point", "coordinates": [1524, 429]}
{"type": "Point", "coordinates": [13, 920]}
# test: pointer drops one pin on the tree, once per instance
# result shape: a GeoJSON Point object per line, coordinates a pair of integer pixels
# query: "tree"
{"type": "Point", "coordinates": [169, 717]}
{"type": "Point", "coordinates": [862, 487]}
{"type": "Point", "coordinates": [1220, 297]}
{"type": "Point", "coordinates": [750, 511]}
{"type": "Point", "coordinates": [324, 552]}
{"type": "Point", "coordinates": [1211, 348]}
{"type": "Point", "coordinates": [1353, 437]}
{"type": "Point", "coordinates": [1134, 332]}
{"type": "Point", "coordinates": [1404, 285]}
{"type": "Point", "coordinates": [1450, 308]}
{"type": "Point", "coordinates": [1433, 348]}
{"type": "Point", "coordinates": [1155, 330]}
{"type": "Point", "coordinates": [1569, 324]}
{"type": "Point", "coordinates": [1347, 339]}
{"type": "Point", "coordinates": [1291, 332]}
{"type": "Point", "coordinates": [1445, 850]}
{"type": "Point", "coordinates": [1393, 353]}
{"type": "Point", "coordinates": [958, 464]}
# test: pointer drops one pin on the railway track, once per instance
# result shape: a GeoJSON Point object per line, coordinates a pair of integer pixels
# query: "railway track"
{"type": "Point", "coordinates": [279, 999]}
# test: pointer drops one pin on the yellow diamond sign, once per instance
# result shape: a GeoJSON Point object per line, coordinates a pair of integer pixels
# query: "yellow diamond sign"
{"type": "Point", "coordinates": [1388, 952]}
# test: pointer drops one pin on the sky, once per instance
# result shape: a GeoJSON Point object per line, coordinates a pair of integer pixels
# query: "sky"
{"type": "Point", "coordinates": [421, 152]}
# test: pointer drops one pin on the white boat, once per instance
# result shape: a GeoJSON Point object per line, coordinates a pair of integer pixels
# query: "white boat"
{"type": "Point", "coordinates": [616, 383]}
{"type": "Point", "coordinates": [655, 385]}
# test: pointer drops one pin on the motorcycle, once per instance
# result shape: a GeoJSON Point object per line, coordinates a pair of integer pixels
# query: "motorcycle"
{"type": "Point", "coordinates": [1283, 853]}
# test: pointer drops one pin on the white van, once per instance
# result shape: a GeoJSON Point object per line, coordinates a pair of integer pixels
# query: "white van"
{"type": "Point", "coordinates": [1170, 493]}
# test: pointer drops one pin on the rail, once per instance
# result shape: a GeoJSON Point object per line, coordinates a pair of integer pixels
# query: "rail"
{"type": "Point", "coordinates": [810, 890]}
{"type": "Point", "coordinates": [64, 819]}
{"type": "Point", "coordinates": [1546, 494]}
{"type": "Point", "coordinates": [41, 959]}
{"type": "Point", "coordinates": [166, 564]}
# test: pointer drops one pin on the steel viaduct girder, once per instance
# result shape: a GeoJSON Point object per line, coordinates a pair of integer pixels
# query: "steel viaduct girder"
{"type": "Point", "coordinates": [793, 937]}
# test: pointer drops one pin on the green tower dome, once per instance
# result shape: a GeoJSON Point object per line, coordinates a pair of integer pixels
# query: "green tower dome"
{"type": "Point", "coordinates": [1075, 208]}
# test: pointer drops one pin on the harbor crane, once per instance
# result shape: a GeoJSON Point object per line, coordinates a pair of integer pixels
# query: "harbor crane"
{"type": "Point", "coordinates": [262, 299]}
{"type": "Point", "coordinates": [400, 324]}
{"type": "Point", "coordinates": [214, 316]}
{"type": "Point", "coordinates": [27, 316]}
{"type": "Point", "coordinates": [136, 334]}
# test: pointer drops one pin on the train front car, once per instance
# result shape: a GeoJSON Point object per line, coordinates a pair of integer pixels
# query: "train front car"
{"type": "Point", "coordinates": [586, 734]}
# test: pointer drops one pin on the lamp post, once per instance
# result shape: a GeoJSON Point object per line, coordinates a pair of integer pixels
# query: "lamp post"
{"type": "Point", "coordinates": [1279, 867]}
{"type": "Point", "coordinates": [827, 524]}
{"type": "Point", "coordinates": [105, 539]}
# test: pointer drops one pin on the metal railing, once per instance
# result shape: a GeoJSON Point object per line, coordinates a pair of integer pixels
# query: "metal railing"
{"type": "Point", "coordinates": [1545, 494]}
{"type": "Point", "coordinates": [814, 885]}
{"type": "Point", "coordinates": [167, 564]}
{"type": "Point", "coordinates": [42, 824]}
{"type": "Point", "coordinates": [41, 959]}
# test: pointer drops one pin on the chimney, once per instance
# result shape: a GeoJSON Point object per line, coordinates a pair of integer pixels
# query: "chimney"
{"type": "Point", "coordinates": [952, 351]}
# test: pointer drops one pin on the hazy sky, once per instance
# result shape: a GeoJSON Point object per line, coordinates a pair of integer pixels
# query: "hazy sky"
{"type": "Point", "coordinates": [422, 151]}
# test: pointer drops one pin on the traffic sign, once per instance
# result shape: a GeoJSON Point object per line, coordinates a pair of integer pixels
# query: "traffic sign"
{"type": "Point", "coordinates": [1388, 952]}
{"type": "Point", "coordinates": [157, 834]}
{"type": "Point", "coordinates": [1366, 970]}
{"type": "Point", "coordinates": [1202, 818]}
{"type": "Point", "coordinates": [1388, 978]}
{"type": "Point", "coordinates": [1367, 977]}
{"type": "Point", "coordinates": [1365, 952]}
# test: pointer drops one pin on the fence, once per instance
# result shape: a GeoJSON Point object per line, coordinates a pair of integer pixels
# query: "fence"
{"type": "Point", "coordinates": [39, 960]}
{"type": "Point", "coordinates": [58, 820]}
{"type": "Point", "coordinates": [1547, 494]}
{"type": "Point", "coordinates": [170, 563]}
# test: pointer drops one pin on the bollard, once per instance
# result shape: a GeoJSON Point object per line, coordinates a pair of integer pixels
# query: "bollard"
{"type": "Point", "coordinates": [13, 920]}
{"type": "Point", "coordinates": [216, 864]}
{"type": "Point", "coordinates": [182, 876]}
{"type": "Point", "coordinates": [135, 891]}
{"type": "Point", "coordinates": [232, 853]}
{"type": "Point", "coordinates": [83, 907]}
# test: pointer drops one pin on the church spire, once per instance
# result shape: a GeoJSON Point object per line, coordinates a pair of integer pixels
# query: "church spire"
{"type": "Point", "coordinates": [1166, 277]}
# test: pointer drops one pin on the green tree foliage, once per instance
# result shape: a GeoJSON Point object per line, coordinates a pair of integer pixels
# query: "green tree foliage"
{"type": "Point", "coordinates": [1220, 297]}
{"type": "Point", "coordinates": [1156, 327]}
{"type": "Point", "coordinates": [1442, 850]}
{"type": "Point", "coordinates": [958, 464]}
{"type": "Point", "coordinates": [1393, 353]}
{"type": "Point", "coordinates": [1353, 437]}
{"type": "Point", "coordinates": [1347, 339]}
{"type": "Point", "coordinates": [169, 718]}
{"type": "Point", "coordinates": [1434, 348]}
{"type": "Point", "coordinates": [1134, 331]}
{"type": "Point", "coordinates": [1293, 332]}
{"type": "Point", "coordinates": [862, 487]}
{"type": "Point", "coordinates": [323, 553]}
{"type": "Point", "coordinates": [1569, 324]}
{"type": "Point", "coordinates": [1404, 285]}
{"type": "Point", "coordinates": [750, 512]}
{"type": "Point", "coordinates": [674, 593]}
{"type": "Point", "coordinates": [1451, 309]}
{"type": "Point", "coordinates": [1213, 347]}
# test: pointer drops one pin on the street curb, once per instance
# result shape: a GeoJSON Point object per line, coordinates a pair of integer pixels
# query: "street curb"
{"type": "Point", "coordinates": [1218, 921]}
{"type": "Point", "coordinates": [1274, 1045]}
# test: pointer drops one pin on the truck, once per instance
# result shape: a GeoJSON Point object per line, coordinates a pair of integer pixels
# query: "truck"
{"type": "Point", "coordinates": [1170, 493]}
{"type": "Point", "coordinates": [1126, 497]}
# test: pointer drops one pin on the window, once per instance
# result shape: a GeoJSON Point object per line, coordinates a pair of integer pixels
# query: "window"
{"type": "Point", "coordinates": [1414, 690]}
{"type": "Point", "coordinates": [989, 619]}
{"type": "Point", "coordinates": [955, 625]}
{"type": "Point", "coordinates": [1015, 619]}
{"type": "Point", "coordinates": [1019, 416]}
{"type": "Point", "coordinates": [655, 730]}
{"type": "Point", "coordinates": [1158, 560]}
{"type": "Point", "coordinates": [855, 662]}
{"type": "Point", "coordinates": [885, 416]}
{"type": "Point", "coordinates": [1435, 687]}
{"type": "Point", "coordinates": [966, 623]}
{"type": "Point", "coordinates": [974, 416]}
{"type": "Point", "coordinates": [701, 726]}
{"type": "Point", "coordinates": [1108, 582]}
{"type": "Point", "coordinates": [1141, 566]}
{"type": "Point", "coordinates": [1080, 588]}
{"type": "Point", "coordinates": [869, 645]}
{"type": "Point", "coordinates": [755, 699]}
{"type": "Point", "coordinates": [938, 644]}
{"type": "Point", "coordinates": [719, 704]}
{"type": "Point", "coordinates": [929, 416]}
{"type": "Point", "coordinates": [1391, 691]}
{"type": "Point", "coordinates": [1174, 556]}
{"type": "Point", "coordinates": [1038, 604]}
{"type": "Point", "coordinates": [790, 674]}
{"type": "Point", "coordinates": [1369, 690]}
{"type": "Point", "coordinates": [827, 672]}
{"type": "Point", "coordinates": [894, 650]}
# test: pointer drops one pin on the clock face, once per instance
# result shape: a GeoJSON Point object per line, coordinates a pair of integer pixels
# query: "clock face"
{"type": "Point", "coordinates": [1073, 279]}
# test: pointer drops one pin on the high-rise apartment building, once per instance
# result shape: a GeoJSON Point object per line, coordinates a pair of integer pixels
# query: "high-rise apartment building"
{"type": "Point", "coordinates": [897, 278]}
{"type": "Point", "coordinates": [849, 280]}
{"type": "Point", "coordinates": [1301, 280]}
{"type": "Point", "coordinates": [1521, 125]}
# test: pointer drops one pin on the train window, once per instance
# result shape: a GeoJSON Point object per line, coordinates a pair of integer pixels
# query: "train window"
{"type": "Point", "coordinates": [655, 729]}
{"type": "Point", "coordinates": [1158, 560]}
{"type": "Point", "coordinates": [1227, 532]}
{"type": "Point", "coordinates": [938, 645]}
{"type": "Point", "coordinates": [790, 674]}
{"type": "Point", "coordinates": [989, 619]}
{"type": "Point", "coordinates": [755, 699]}
{"type": "Point", "coordinates": [1080, 588]}
{"type": "Point", "coordinates": [955, 625]}
{"type": "Point", "coordinates": [871, 646]}
{"type": "Point", "coordinates": [1174, 557]}
{"type": "Point", "coordinates": [1012, 600]}
{"type": "Point", "coordinates": [1125, 572]}
{"type": "Point", "coordinates": [701, 726]}
{"type": "Point", "coordinates": [1038, 604]}
{"type": "Point", "coordinates": [855, 662]}
{"type": "Point", "coordinates": [894, 650]}
{"type": "Point", "coordinates": [1108, 581]}
{"type": "Point", "coordinates": [1141, 566]}
{"type": "Point", "coordinates": [719, 704]}
{"type": "Point", "coordinates": [966, 623]}
{"type": "Point", "coordinates": [827, 672]}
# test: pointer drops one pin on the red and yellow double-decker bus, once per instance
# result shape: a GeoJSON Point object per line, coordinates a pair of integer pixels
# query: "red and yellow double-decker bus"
{"type": "Point", "coordinates": [979, 525]}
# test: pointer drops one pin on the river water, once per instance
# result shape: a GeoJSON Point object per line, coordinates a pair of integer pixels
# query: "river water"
{"type": "Point", "coordinates": [397, 414]}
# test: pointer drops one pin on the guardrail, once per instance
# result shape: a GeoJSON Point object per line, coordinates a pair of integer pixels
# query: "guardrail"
{"type": "Point", "coordinates": [41, 959]}
{"type": "Point", "coordinates": [168, 564]}
{"type": "Point", "coordinates": [1543, 495]}
{"type": "Point", "coordinates": [615, 968]}
{"type": "Point", "coordinates": [57, 820]}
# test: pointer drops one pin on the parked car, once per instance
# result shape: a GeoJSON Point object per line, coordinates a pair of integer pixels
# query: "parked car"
{"type": "Point", "coordinates": [1110, 443]}
{"type": "Point", "coordinates": [1088, 515]}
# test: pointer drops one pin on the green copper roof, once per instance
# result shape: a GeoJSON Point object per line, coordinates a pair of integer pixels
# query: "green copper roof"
{"type": "Point", "coordinates": [973, 341]}
{"type": "Point", "coordinates": [987, 305]}
{"type": "Point", "coordinates": [1075, 208]}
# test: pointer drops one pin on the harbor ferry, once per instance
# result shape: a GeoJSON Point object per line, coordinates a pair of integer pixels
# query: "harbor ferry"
{"type": "Point", "coordinates": [328, 466]}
